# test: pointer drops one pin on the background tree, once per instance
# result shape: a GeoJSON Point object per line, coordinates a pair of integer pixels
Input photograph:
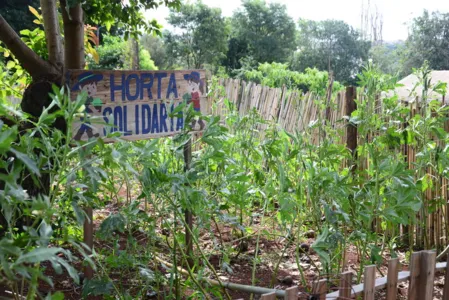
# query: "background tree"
{"type": "Point", "coordinates": [156, 47]}
{"type": "Point", "coordinates": [16, 13]}
{"type": "Point", "coordinates": [117, 54]}
{"type": "Point", "coordinates": [202, 38]}
{"type": "Point", "coordinates": [387, 57]}
{"type": "Point", "coordinates": [428, 40]}
{"type": "Point", "coordinates": [237, 49]}
{"type": "Point", "coordinates": [267, 31]}
{"type": "Point", "coordinates": [330, 45]}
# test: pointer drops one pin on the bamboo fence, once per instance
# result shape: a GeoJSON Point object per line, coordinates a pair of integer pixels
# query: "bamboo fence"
{"type": "Point", "coordinates": [294, 111]}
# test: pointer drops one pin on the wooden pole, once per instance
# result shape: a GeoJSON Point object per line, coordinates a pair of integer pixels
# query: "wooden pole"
{"type": "Point", "coordinates": [446, 281]}
{"type": "Point", "coordinates": [270, 296]}
{"type": "Point", "coordinates": [345, 286]}
{"type": "Point", "coordinates": [320, 289]}
{"type": "Point", "coordinates": [187, 213]}
{"type": "Point", "coordinates": [351, 129]}
{"type": "Point", "coordinates": [392, 278]}
{"type": "Point", "coordinates": [291, 293]}
{"type": "Point", "coordinates": [422, 275]}
{"type": "Point", "coordinates": [369, 282]}
{"type": "Point", "coordinates": [427, 276]}
{"type": "Point", "coordinates": [89, 240]}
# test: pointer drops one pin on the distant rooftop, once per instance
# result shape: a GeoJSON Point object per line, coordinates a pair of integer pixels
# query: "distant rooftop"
{"type": "Point", "coordinates": [410, 81]}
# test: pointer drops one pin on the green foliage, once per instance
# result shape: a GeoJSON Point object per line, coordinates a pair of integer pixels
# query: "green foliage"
{"type": "Point", "coordinates": [13, 79]}
{"type": "Point", "coordinates": [388, 57]}
{"type": "Point", "coordinates": [116, 54]}
{"type": "Point", "coordinates": [156, 47]}
{"type": "Point", "coordinates": [127, 15]}
{"type": "Point", "coordinates": [111, 53]}
{"type": "Point", "coordinates": [288, 182]}
{"type": "Point", "coordinates": [202, 39]}
{"type": "Point", "coordinates": [263, 31]}
{"type": "Point", "coordinates": [97, 287]}
{"type": "Point", "coordinates": [23, 247]}
{"type": "Point", "coordinates": [332, 46]}
{"type": "Point", "coordinates": [145, 61]}
{"type": "Point", "coordinates": [428, 40]}
{"type": "Point", "coordinates": [277, 75]}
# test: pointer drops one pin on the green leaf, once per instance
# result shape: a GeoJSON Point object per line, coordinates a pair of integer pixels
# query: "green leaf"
{"type": "Point", "coordinates": [55, 296]}
{"type": "Point", "coordinates": [38, 255]}
{"type": "Point", "coordinates": [45, 231]}
{"type": "Point", "coordinates": [115, 222]}
{"type": "Point", "coordinates": [96, 287]}
{"type": "Point", "coordinates": [10, 64]}
{"type": "Point", "coordinates": [25, 32]}
{"type": "Point", "coordinates": [29, 163]}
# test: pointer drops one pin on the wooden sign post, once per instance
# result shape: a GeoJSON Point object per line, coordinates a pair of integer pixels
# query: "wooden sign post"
{"type": "Point", "coordinates": [137, 105]}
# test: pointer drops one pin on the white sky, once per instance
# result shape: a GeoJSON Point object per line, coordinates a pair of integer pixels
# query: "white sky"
{"type": "Point", "coordinates": [396, 13]}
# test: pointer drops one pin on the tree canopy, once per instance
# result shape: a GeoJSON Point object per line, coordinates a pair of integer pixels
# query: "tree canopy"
{"type": "Point", "coordinates": [263, 31]}
{"type": "Point", "coordinates": [428, 40]}
{"type": "Point", "coordinates": [332, 46]}
{"type": "Point", "coordinates": [156, 47]}
{"type": "Point", "coordinates": [202, 37]}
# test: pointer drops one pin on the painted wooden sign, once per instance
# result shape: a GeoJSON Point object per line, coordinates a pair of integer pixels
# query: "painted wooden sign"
{"type": "Point", "coordinates": [138, 104]}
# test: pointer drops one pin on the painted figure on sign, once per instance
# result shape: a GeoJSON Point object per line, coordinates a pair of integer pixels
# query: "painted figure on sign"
{"type": "Point", "coordinates": [196, 89]}
{"type": "Point", "coordinates": [88, 82]}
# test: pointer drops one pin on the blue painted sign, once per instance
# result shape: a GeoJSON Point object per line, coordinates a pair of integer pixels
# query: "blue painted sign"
{"type": "Point", "coordinates": [137, 104]}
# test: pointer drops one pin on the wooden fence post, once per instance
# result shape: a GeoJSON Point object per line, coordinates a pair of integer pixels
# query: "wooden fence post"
{"type": "Point", "coordinates": [351, 129]}
{"type": "Point", "coordinates": [291, 293]}
{"type": "Point", "coordinates": [414, 276]}
{"type": "Point", "coordinates": [446, 281]}
{"type": "Point", "coordinates": [422, 275]}
{"type": "Point", "coordinates": [320, 289]}
{"type": "Point", "coordinates": [369, 280]}
{"type": "Point", "coordinates": [392, 278]}
{"type": "Point", "coordinates": [345, 286]}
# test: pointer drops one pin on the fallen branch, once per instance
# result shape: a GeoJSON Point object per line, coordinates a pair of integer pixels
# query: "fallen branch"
{"type": "Point", "coordinates": [229, 285]}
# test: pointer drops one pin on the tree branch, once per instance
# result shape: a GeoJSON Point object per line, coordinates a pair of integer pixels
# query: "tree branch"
{"type": "Point", "coordinates": [30, 61]}
{"type": "Point", "coordinates": [73, 36]}
{"type": "Point", "coordinates": [52, 32]}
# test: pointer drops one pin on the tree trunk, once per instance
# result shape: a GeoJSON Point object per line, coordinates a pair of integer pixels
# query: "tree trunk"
{"type": "Point", "coordinates": [45, 74]}
{"type": "Point", "coordinates": [52, 32]}
{"type": "Point", "coordinates": [31, 62]}
{"type": "Point", "coordinates": [74, 36]}
{"type": "Point", "coordinates": [135, 54]}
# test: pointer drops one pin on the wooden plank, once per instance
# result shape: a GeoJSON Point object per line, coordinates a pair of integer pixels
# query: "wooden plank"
{"type": "Point", "coordinates": [135, 103]}
{"type": "Point", "coordinates": [380, 284]}
{"type": "Point", "coordinates": [415, 269]}
{"type": "Point", "coordinates": [369, 282]}
{"type": "Point", "coordinates": [446, 281]}
{"type": "Point", "coordinates": [427, 275]}
{"type": "Point", "coordinates": [351, 130]}
{"type": "Point", "coordinates": [345, 286]}
{"type": "Point", "coordinates": [319, 289]}
{"type": "Point", "coordinates": [392, 278]}
{"type": "Point", "coordinates": [270, 296]}
{"type": "Point", "coordinates": [291, 293]}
